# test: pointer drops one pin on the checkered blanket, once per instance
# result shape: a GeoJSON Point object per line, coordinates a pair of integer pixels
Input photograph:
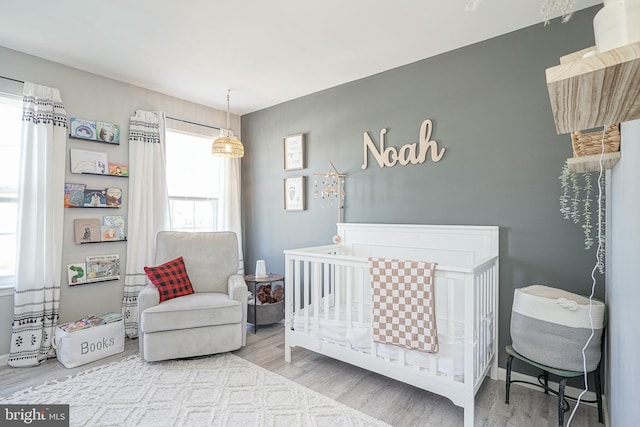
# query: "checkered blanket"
{"type": "Point", "coordinates": [404, 303]}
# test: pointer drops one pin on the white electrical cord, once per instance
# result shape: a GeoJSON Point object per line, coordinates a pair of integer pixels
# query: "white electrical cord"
{"type": "Point", "coordinates": [593, 279]}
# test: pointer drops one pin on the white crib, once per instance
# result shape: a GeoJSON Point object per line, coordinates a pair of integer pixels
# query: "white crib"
{"type": "Point", "coordinates": [328, 304]}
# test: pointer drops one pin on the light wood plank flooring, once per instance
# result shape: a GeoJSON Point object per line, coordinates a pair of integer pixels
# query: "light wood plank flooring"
{"type": "Point", "coordinates": [396, 403]}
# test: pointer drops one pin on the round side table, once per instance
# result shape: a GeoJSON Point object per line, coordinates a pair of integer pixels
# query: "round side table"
{"type": "Point", "coordinates": [275, 311]}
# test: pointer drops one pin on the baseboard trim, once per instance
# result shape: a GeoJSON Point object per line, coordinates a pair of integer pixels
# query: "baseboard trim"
{"type": "Point", "coordinates": [570, 391]}
{"type": "Point", "coordinates": [4, 359]}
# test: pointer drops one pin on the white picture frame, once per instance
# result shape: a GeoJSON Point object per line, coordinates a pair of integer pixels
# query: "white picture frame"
{"type": "Point", "coordinates": [294, 152]}
{"type": "Point", "coordinates": [294, 193]}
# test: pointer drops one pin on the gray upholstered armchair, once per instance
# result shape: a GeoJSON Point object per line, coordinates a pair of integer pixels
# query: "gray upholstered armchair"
{"type": "Point", "coordinates": [213, 319]}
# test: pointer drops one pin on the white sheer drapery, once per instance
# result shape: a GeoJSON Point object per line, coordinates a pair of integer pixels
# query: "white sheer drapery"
{"type": "Point", "coordinates": [229, 206]}
{"type": "Point", "coordinates": [148, 206]}
{"type": "Point", "coordinates": [40, 225]}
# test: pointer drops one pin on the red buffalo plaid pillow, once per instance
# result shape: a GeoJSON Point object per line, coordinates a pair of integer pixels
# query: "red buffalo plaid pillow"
{"type": "Point", "coordinates": [170, 278]}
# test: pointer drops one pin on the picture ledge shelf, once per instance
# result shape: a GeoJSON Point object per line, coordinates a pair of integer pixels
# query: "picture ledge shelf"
{"type": "Point", "coordinates": [101, 174]}
{"type": "Point", "coordinates": [592, 163]}
{"type": "Point", "coordinates": [92, 207]}
{"type": "Point", "coordinates": [104, 241]}
{"type": "Point", "coordinates": [598, 90]}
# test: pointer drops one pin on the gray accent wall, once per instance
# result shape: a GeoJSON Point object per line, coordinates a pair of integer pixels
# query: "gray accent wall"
{"type": "Point", "coordinates": [491, 112]}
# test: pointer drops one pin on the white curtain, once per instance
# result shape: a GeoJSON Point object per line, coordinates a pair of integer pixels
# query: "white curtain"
{"type": "Point", "coordinates": [40, 224]}
{"type": "Point", "coordinates": [148, 206]}
{"type": "Point", "coordinates": [229, 204]}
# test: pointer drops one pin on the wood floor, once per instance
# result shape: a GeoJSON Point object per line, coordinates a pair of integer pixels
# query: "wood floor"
{"type": "Point", "coordinates": [395, 403]}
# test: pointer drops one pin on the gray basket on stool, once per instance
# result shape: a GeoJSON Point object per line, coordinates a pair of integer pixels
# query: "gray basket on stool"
{"type": "Point", "coordinates": [549, 329]}
{"type": "Point", "coordinates": [551, 326]}
{"type": "Point", "coordinates": [267, 313]}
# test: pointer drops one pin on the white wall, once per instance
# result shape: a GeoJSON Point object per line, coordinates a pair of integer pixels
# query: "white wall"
{"type": "Point", "coordinates": [623, 283]}
{"type": "Point", "coordinates": [89, 96]}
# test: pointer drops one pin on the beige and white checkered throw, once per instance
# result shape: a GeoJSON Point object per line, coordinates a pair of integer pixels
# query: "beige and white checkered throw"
{"type": "Point", "coordinates": [404, 309]}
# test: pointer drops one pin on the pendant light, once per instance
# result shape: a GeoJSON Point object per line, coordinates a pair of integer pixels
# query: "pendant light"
{"type": "Point", "coordinates": [228, 145]}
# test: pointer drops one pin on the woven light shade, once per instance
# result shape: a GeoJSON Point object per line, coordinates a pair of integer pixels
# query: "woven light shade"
{"type": "Point", "coordinates": [227, 147]}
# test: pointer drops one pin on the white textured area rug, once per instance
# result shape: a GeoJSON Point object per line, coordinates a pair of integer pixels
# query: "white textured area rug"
{"type": "Point", "coordinates": [221, 390]}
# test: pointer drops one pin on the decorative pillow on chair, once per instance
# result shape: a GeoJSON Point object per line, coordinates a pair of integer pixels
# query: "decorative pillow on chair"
{"type": "Point", "coordinates": [170, 278]}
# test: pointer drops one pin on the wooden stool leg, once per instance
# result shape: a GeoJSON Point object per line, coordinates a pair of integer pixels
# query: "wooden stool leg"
{"type": "Point", "coordinates": [598, 382]}
{"type": "Point", "coordinates": [563, 383]}
{"type": "Point", "coordinates": [508, 384]}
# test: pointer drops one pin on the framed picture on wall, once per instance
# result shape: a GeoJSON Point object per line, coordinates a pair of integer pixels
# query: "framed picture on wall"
{"type": "Point", "coordinates": [294, 199]}
{"type": "Point", "coordinates": [294, 152]}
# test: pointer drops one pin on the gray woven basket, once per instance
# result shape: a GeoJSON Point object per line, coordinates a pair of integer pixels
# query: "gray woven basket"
{"type": "Point", "coordinates": [267, 313]}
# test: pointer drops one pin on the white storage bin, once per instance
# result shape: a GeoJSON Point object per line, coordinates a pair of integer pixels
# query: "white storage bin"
{"type": "Point", "coordinates": [87, 345]}
{"type": "Point", "coordinates": [551, 326]}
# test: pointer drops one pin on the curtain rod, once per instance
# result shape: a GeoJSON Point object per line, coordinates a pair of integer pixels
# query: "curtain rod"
{"type": "Point", "coordinates": [13, 80]}
{"type": "Point", "coordinates": [193, 123]}
{"type": "Point", "coordinates": [168, 117]}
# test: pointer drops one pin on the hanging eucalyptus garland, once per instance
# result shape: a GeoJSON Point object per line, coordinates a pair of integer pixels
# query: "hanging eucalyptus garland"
{"type": "Point", "coordinates": [586, 211]}
{"type": "Point", "coordinates": [575, 205]}
{"type": "Point", "coordinates": [575, 201]}
{"type": "Point", "coordinates": [566, 7]}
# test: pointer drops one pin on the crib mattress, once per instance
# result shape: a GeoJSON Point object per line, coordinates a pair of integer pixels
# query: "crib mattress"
{"type": "Point", "coordinates": [448, 361]}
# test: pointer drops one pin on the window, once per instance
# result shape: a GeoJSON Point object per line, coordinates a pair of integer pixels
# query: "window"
{"type": "Point", "coordinates": [10, 129]}
{"type": "Point", "coordinates": [192, 181]}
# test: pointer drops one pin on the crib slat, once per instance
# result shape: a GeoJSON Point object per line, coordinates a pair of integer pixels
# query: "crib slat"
{"type": "Point", "coordinates": [433, 364]}
{"type": "Point", "coordinates": [317, 287]}
{"type": "Point", "coordinates": [487, 316]}
{"type": "Point", "coordinates": [349, 296]}
{"type": "Point", "coordinates": [469, 338]}
{"type": "Point", "coordinates": [326, 290]}
{"type": "Point", "coordinates": [295, 264]}
{"type": "Point", "coordinates": [336, 290]}
{"type": "Point", "coordinates": [477, 316]}
{"type": "Point", "coordinates": [480, 323]}
{"type": "Point", "coordinates": [361, 292]}
{"type": "Point", "coordinates": [451, 307]}
{"type": "Point", "coordinates": [306, 289]}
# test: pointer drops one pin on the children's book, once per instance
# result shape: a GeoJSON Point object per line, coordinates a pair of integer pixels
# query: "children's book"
{"type": "Point", "coordinates": [74, 195]}
{"type": "Point", "coordinates": [113, 197]}
{"type": "Point", "coordinates": [118, 169]}
{"type": "Point", "coordinates": [86, 230]}
{"type": "Point", "coordinates": [85, 129]}
{"type": "Point", "coordinates": [103, 267]}
{"type": "Point", "coordinates": [113, 221]}
{"type": "Point", "coordinates": [108, 132]}
{"type": "Point", "coordinates": [94, 320]}
{"type": "Point", "coordinates": [110, 317]}
{"type": "Point", "coordinates": [95, 198]}
{"type": "Point", "coordinates": [110, 234]}
{"type": "Point", "coordinates": [76, 274]}
{"type": "Point", "coordinates": [75, 326]}
{"type": "Point", "coordinates": [86, 161]}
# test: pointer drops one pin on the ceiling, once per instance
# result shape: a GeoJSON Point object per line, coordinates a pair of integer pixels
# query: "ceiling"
{"type": "Point", "coordinates": [265, 52]}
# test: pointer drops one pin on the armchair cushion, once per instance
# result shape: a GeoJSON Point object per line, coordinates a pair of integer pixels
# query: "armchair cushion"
{"type": "Point", "coordinates": [170, 278]}
{"type": "Point", "coordinates": [192, 311]}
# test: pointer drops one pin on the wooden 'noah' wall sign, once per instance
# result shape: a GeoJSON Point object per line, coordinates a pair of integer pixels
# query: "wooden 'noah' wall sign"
{"type": "Point", "coordinates": [415, 153]}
